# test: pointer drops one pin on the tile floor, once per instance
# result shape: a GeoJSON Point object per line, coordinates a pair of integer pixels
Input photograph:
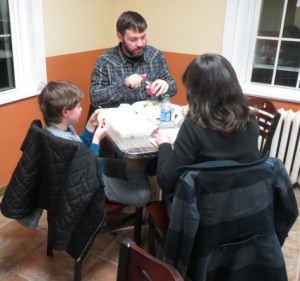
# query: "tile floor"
{"type": "Point", "coordinates": [23, 254]}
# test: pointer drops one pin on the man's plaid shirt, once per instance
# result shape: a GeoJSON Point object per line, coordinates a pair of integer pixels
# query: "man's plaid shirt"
{"type": "Point", "coordinates": [108, 87]}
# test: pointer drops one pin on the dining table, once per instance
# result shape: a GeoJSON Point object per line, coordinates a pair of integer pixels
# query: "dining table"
{"type": "Point", "coordinates": [131, 126]}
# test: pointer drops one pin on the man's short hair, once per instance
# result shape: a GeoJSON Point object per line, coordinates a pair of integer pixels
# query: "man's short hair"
{"type": "Point", "coordinates": [131, 20]}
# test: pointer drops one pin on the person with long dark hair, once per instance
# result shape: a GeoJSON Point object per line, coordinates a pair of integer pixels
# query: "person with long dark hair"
{"type": "Point", "coordinates": [218, 125]}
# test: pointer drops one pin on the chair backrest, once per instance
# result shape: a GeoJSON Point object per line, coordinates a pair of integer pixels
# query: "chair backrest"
{"type": "Point", "coordinates": [135, 264]}
{"type": "Point", "coordinates": [268, 118]}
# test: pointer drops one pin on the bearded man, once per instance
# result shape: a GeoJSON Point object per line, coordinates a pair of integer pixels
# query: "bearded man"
{"type": "Point", "coordinates": [121, 74]}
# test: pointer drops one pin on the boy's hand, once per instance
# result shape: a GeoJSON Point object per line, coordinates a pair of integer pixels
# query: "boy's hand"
{"type": "Point", "coordinates": [94, 120]}
{"type": "Point", "coordinates": [100, 116]}
{"type": "Point", "coordinates": [100, 132]}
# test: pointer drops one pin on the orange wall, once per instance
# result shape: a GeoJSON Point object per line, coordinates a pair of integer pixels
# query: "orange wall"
{"type": "Point", "coordinates": [77, 69]}
{"type": "Point", "coordinates": [16, 117]}
{"type": "Point", "coordinates": [14, 120]}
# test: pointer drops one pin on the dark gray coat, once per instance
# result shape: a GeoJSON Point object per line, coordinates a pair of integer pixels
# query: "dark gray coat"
{"type": "Point", "coordinates": [229, 221]}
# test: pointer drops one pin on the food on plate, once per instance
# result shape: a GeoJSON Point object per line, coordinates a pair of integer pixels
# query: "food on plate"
{"type": "Point", "coordinates": [149, 103]}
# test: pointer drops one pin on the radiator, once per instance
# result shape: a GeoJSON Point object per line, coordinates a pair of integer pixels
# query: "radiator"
{"type": "Point", "coordinates": [286, 145]}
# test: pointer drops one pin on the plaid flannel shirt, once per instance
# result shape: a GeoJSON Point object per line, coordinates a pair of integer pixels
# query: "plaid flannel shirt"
{"type": "Point", "coordinates": [108, 87]}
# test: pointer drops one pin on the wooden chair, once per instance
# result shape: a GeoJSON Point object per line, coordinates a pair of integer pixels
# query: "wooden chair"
{"type": "Point", "coordinates": [268, 118]}
{"type": "Point", "coordinates": [135, 264]}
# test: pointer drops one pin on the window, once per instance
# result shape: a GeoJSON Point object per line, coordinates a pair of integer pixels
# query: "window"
{"type": "Point", "coordinates": [262, 40]}
{"type": "Point", "coordinates": [7, 78]}
{"type": "Point", "coordinates": [22, 52]}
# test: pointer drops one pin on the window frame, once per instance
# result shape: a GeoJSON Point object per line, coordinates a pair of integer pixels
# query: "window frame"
{"type": "Point", "coordinates": [28, 46]}
{"type": "Point", "coordinates": [239, 38]}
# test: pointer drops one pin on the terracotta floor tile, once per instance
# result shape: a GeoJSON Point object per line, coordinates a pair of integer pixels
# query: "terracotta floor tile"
{"type": "Point", "coordinates": [3, 220]}
{"type": "Point", "coordinates": [291, 255]}
{"type": "Point", "coordinates": [39, 266]}
{"type": "Point", "coordinates": [102, 270]}
{"type": "Point", "coordinates": [12, 276]}
{"type": "Point", "coordinates": [111, 253]}
{"type": "Point", "coordinates": [102, 242]}
{"type": "Point", "coordinates": [16, 243]}
{"type": "Point", "coordinates": [294, 235]}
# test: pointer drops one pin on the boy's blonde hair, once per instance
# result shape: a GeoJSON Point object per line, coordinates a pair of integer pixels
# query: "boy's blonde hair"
{"type": "Point", "coordinates": [56, 96]}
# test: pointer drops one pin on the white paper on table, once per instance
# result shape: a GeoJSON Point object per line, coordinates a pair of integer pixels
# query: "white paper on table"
{"type": "Point", "coordinates": [126, 123]}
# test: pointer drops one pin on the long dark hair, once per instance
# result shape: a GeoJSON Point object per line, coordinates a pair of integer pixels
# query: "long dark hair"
{"type": "Point", "coordinates": [215, 97]}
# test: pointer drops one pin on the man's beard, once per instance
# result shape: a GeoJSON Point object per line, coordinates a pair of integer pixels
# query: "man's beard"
{"type": "Point", "coordinates": [130, 53]}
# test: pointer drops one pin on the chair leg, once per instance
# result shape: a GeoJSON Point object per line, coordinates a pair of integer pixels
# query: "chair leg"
{"type": "Point", "coordinates": [138, 225]}
{"type": "Point", "coordinates": [123, 262]}
{"type": "Point", "coordinates": [151, 238]}
{"type": "Point", "coordinates": [49, 242]}
{"type": "Point", "coordinates": [77, 270]}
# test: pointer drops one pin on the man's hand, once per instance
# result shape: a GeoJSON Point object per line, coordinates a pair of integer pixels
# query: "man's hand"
{"type": "Point", "coordinates": [159, 87]}
{"type": "Point", "coordinates": [134, 81]}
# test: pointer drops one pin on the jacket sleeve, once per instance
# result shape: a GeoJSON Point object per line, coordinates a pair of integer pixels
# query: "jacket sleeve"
{"type": "Point", "coordinates": [20, 197]}
{"type": "Point", "coordinates": [184, 222]}
{"type": "Point", "coordinates": [285, 205]}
